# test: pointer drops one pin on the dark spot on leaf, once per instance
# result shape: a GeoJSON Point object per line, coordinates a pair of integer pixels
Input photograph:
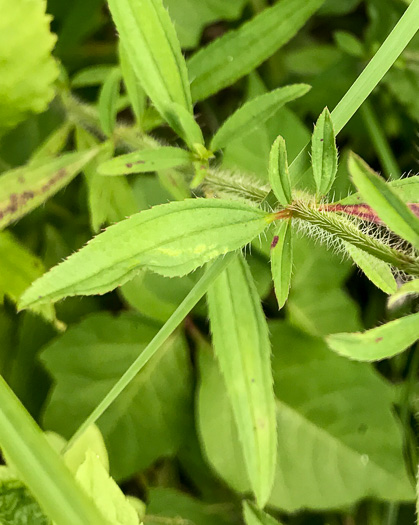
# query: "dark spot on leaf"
{"type": "Point", "coordinates": [252, 380]}
{"type": "Point", "coordinates": [142, 162]}
{"type": "Point", "coordinates": [21, 179]}
{"type": "Point", "coordinates": [378, 339]}
{"type": "Point", "coordinates": [362, 428]}
{"type": "Point", "coordinates": [321, 140]}
{"type": "Point", "coordinates": [128, 164]}
{"type": "Point", "coordinates": [274, 241]}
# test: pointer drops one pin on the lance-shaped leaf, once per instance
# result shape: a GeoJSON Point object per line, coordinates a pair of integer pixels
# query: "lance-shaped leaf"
{"type": "Point", "coordinates": [389, 207]}
{"type": "Point", "coordinates": [375, 269]}
{"type": "Point", "coordinates": [281, 261]}
{"type": "Point", "coordinates": [241, 343]}
{"type": "Point", "coordinates": [324, 154]}
{"type": "Point", "coordinates": [171, 239]}
{"type": "Point", "coordinates": [409, 288]}
{"type": "Point", "coordinates": [136, 93]}
{"type": "Point", "coordinates": [254, 113]}
{"type": "Point", "coordinates": [379, 343]}
{"type": "Point", "coordinates": [254, 516]}
{"type": "Point", "coordinates": [108, 101]}
{"type": "Point", "coordinates": [406, 189]}
{"type": "Point", "coordinates": [279, 176]}
{"type": "Point", "coordinates": [149, 38]}
{"type": "Point", "coordinates": [146, 160]}
{"type": "Point", "coordinates": [23, 189]}
{"type": "Point", "coordinates": [184, 124]}
{"type": "Point", "coordinates": [238, 52]}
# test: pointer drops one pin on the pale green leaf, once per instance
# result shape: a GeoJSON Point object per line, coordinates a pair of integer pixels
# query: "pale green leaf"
{"type": "Point", "coordinates": [281, 261]}
{"type": "Point", "coordinates": [241, 344]}
{"type": "Point", "coordinates": [406, 189]}
{"type": "Point", "coordinates": [411, 287]}
{"type": "Point", "coordinates": [90, 358]}
{"type": "Point", "coordinates": [204, 229]}
{"type": "Point", "coordinates": [378, 343]}
{"type": "Point", "coordinates": [185, 125]}
{"type": "Point", "coordinates": [377, 271]}
{"type": "Point", "coordinates": [254, 113]}
{"type": "Point", "coordinates": [324, 154]}
{"type": "Point", "coordinates": [103, 490]}
{"type": "Point", "coordinates": [91, 440]}
{"type": "Point", "coordinates": [23, 189]}
{"type": "Point", "coordinates": [27, 68]}
{"type": "Point", "coordinates": [108, 101]}
{"type": "Point", "coordinates": [149, 38]}
{"type": "Point", "coordinates": [338, 437]}
{"type": "Point", "coordinates": [254, 516]}
{"type": "Point", "coordinates": [279, 177]}
{"type": "Point", "coordinates": [136, 94]}
{"type": "Point", "coordinates": [389, 207]}
{"type": "Point", "coordinates": [146, 160]}
{"type": "Point", "coordinates": [240, 51]}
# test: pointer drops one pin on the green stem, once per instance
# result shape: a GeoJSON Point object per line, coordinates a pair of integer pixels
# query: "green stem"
{"type": "Point", "coordinates": [197, 292]}
{"type": "Point", "coordinates": [379, 140]}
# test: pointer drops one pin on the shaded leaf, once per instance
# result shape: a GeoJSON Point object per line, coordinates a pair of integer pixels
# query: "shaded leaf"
{"type": "Point", "coordinates": [281, 261]}
{"type": "Point", "coordinates": [136, 93]}
{"type": "Point", "coordinates": [279, 177]}
{"type": "Point", "coordinates": [108, 101]}
{"type": "Point", "coordinates": [324, 154]}
{"type": "Point", "coordinates": [92, 76]}
{"type": "Point", "coordinates": [411, 287]}
{"type": "Point", "coordinates": [254, 516]}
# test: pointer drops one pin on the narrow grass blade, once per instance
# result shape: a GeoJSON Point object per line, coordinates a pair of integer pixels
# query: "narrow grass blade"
{"type": "Point", "coordinates": [379, 343]}
{"type": "Point", "coordinates": [279, 177]}
{"type": "Point", "coordinates": [324, 154]}
{"type": "Point", "coordinates": [40, 467]}
{"type": "Point", "coordinates": [281, 261]}
{"type": "Point", "coordinates": [241, 343]}
{"type": "Point", "coordinates": [384, 201]}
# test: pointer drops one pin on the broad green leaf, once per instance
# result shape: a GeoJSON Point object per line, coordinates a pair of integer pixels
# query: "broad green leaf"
{"type": "Point", "coordinates": [389, 207]}
{"type": "Point", "coordinates": [103, 490]}
{"type": "Point", "coordinates": [254, 516]}
{"type": "Point", "coordinates": [27, 68]}
{"type": "Point", "coordinates": [378, 343]}
{"type": "Point", "coordinates": [205, 229]}
{"type": "Point", "coordinates": [108, 101]}
{"type": "Point", "coordinates": [279, 177]}
{"type": "Point", "coordinates": [92, 76]}
{"type": "Point", "coordinates": [324, 154]}
{"type": "Point", "coordinates": [149, 39]}
{"type": "Point", "coordinates": [241, 343]}
{"type": "Point", "coordinates": [146, 160]}
{"type": "Point", "coordinates": [23, 189]}
{"type": "Point", "coordinates": [254, 113]}
{"type": "Point", "coordinates": [88, 360]}
{"type": "Point", "coordinates": [109, 199]}
{"type": "Point", "coordinates": [281, 261]}
{"type": "Point", "coordinates": [40, 467]}
{"type": "Point", "coordinates": [166, 503]}
{"type": "Point", "coordinates": [240, 51]}
{"type": "Point", "coordinates": [376, 270]}
{"type": "Point", "coordinates": [406, 189]}
{"type": "Point", "coordinates": [338, 437]}
{"type": "Point", "coordinates": [411, 287]}
{"type": "Point", "coordinates": [136, 94]}
{"type": "Point", "coordinates": [17, 505]}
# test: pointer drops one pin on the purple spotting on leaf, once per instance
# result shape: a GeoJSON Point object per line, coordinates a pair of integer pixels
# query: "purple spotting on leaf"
{"type": "Point", "coordinates": [274, 242]}
{"type": "Point", "coordinates": [128, 165]}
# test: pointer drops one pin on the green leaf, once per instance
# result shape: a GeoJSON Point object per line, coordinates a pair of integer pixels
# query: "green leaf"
{"type": "Point", "coordinates": [240, 51]}
{"type": "Point", "coordinates": [254, 516]}
{"type": "Point", "coordinates": [146, 160]}
{"type": "Point", "coordinates": [205, 228]}
{"type": "Point", "coordinates": [254, 113]}
{"type": "Point", "coordinates": [376, 270]}
{"type": "Point", "coordinates": [103, 490]}
{"type": "Point", "coordinates": [108, 101]}
{"type": "Point", "coordinates": [89, 359]}
{"type": "Point", "coordinates": [183, 122]}
{"type": "Point", "coordinates": [241, 344]}
{"type": "Point", "coordinates": [406, 189]}
{"type": "Point", "coordinates": [27, 68]}
{"type": "Point", "coordinates": [91, 440]}
{"type": "Point", "coordinates": [54, 143]}
{"type": "Point", "coordinates": [411, 287]}
{"type": "Point", "coordinates": [379, 343]}
{"type": "Point", "coordinates": [281, 261]}
{"type": "Point", "coordinates": [279, 176]}
{"type": "Point", "coordinates": [324, 154]}
{"type": "Point", "coordinates": [40, 467]}
{"type": "Point", "coordinates": [338, 437]}
{"type": "Point", "coordinates": [136, 94]}
{"type": "Point", "coordinates": [25, 188]}
{"type": "Point", "coordinates": [149, 38]}
{"type": "Point", "coordinates": [389, 207]}
{"type": "Point", "coordinates": [92, 76]}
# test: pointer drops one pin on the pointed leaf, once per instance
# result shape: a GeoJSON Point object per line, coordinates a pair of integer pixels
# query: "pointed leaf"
{"type": "Point", "coordinates": [411, 287]}
{"type": "Point", "coordinates": [406, 189]}
{"type": "Point", "coordinates": [279, 177]}
{"type": "Point", "coordinates": [254, 516]}
{"type": "Point", "coordinates": [54, 143]}
{"type": "Point", "coordinates": [240, 51]}
{"type": "Point", "coordinates": [108, 101]}
{"type": "Point", "coordinates": [146, 160]}
{"type": "Point", "coordinates": [136, 93]}
{"type": "Point", "coordinates": [281, 261]}
{"type": "Point", "coordinates": [149, 38]}
{"type": "Point", "coordinates": [170, 239]}
{"type": "Point", "coordinates": [254, 113]}
{"type": "Point", "coordinates": [23, 189]}
{"type": "Point", "coordinates": [376, 270]}
{"type": "Point", "coordinates": [390, 208]}
{"type": "Point", "coordinates": [379, 343]}
{"type": "Point", "coordinates": [241, 344]}
{"type": "Point", "coordinates": [324, 154]}
{"type": "Point", "coordinates": [185, 125]}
